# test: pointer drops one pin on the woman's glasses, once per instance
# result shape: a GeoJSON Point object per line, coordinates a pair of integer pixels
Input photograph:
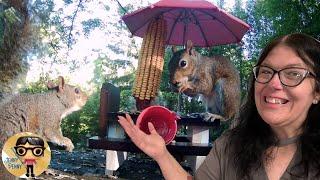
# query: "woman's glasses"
{"type": "Point", "coordinates": [36, 151]}
{"type": "Point", "coordinates": [290, 77]}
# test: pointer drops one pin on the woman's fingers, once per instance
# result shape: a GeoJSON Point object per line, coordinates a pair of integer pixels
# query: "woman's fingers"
{"type": "Point", "coordinates": [147, 143]}
{"type": "Point", "coordinates": [124, 123]}
{"type": "Point", "coordinates": [152, 130]}
{"type": "Point", "coordinates": [132, 130]}
{"type": "Point", "coordinates": [128, 117]}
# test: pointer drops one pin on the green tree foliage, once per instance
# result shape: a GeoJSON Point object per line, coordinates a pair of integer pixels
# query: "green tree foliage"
{"type": "Point", "coordinates": [273, 18]}
{"type": "Point", "coordinates": [81, 125]}
{"type": "Point", "coordinates": [39, 86]}
{"type": "Point", "coordinates": [260, 30]}
{"type": "Point", "coordinates": [15, 41]}
{"type": "Point", "coordinates": [89, 25]}
{"type": "Point", "coordinates": [291, 16]}
{"type": "Point", "coordinates": [106, 70]}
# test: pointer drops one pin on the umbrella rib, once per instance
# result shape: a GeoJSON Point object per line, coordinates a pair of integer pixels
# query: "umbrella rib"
{"type": "Point", "coordinates": [135, 30]}
{"type": "Point", "coordinates": [221, 23]}
{"type": "Point", "coordinates": [173, 25]}
{"type": "Point", "coordinates": [184, 29]}
{"type": "Point", "coordinates": [184, 34]}
{"type": "Point", "coordinates": [200, 27]}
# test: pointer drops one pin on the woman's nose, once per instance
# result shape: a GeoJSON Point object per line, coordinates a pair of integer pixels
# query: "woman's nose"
{"type": "Point", "coordinates": [275, 82]}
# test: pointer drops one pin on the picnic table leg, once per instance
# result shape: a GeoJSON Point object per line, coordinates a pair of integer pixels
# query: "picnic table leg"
{"type": "Point", "coordinates": [114, 160]}
{"type": "Point", "coordinates": [198, 135]}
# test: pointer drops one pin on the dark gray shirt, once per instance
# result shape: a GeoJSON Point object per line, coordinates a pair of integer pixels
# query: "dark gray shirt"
{"type": "Point", "coordinates": [218, 165]}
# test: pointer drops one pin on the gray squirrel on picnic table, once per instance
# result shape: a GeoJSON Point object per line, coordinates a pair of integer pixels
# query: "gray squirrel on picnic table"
{"type": "Point", "coordinates": [214, 78]}
{"type": "Point", "coordinates": [41, 113]}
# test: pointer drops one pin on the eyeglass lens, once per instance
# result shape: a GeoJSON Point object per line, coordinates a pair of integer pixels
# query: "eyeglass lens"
{"type": "Point", "coordinates": [288, 76]}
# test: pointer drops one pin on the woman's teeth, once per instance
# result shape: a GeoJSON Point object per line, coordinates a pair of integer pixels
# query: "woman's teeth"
{"type": "Point", "coordinates": [275, 100]}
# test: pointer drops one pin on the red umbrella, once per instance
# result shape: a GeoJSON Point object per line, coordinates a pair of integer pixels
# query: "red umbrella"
{"type": "Point", "coordinates": [197, 20]}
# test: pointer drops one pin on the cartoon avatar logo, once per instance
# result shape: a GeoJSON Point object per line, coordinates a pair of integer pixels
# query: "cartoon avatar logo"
{"type": "Point", "coordinates": [26, 155]}
{"type": "Point", "coordinates": [35, 145]}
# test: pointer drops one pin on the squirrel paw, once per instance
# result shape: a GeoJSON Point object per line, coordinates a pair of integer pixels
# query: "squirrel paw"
{"type": "Point", "coordinates": [68, 143]}
{"type": "Point", "coordinates": [184, 86]}
{"type": "Point", "coordinates": [211, 117]}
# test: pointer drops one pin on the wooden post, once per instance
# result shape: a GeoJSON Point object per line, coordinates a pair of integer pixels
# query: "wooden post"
{"type": "Point", "coordinates": [110, 128]}
{"type": "Point", "coordinates": [103, 128]}
{"type": "Point", "coordinates": [199, 134]}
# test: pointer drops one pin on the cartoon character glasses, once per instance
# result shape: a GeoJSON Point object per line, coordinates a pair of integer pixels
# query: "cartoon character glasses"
{"type": "Point", "coordinates": [36, 151]}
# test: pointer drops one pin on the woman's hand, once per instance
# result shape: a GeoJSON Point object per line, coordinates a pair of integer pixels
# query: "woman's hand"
{"type": "Point", "coordinates": [154, 146]}
{"type": "Point", "coordinates": [151, 144]}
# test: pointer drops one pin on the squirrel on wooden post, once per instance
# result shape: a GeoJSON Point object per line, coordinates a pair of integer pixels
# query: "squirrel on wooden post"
{"type": "Point", "coordinates": [214, 78]}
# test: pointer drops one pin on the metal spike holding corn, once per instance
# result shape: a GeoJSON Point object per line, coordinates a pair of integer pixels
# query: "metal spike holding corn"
{"type": "Point", "coordinates": [151, 61]}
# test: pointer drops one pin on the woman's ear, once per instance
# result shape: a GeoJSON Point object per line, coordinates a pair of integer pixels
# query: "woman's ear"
{"type": "Point", "coordinates": [316, 98]}
{"type": "Point", "coordinates": [315, 101]}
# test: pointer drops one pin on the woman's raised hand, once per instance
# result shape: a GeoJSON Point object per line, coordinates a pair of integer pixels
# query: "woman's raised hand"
{"type": "Point", "coordinates": [151, 144]}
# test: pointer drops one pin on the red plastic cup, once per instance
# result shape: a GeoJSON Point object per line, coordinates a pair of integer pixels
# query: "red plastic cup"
{"type": "Point", "coordinates": [163, 120]}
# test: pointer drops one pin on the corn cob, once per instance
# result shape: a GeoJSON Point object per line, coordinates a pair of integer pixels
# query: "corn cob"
{"type": "Point", "coordinates": [152, 77]}
{"type": "Point", "coordinates": [147, 61]}
{"type": "Point", "coordinates": [141, 63]}
{"type": "Point", "coordinates": [160, 59]}
{"type": "Point", "coordinates": [151, 61]}
{"type": "Point", "coordinates": [145, 83]}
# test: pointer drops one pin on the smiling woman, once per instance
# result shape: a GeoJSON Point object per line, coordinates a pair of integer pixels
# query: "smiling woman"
{"type": "Point", "coordinates": [289, 94]}
{"type": "Point", "coordinates": [282, 112]}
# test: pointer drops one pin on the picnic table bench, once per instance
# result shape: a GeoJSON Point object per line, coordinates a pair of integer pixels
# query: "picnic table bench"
{"type": "Point", "coordinates": [193, 147]}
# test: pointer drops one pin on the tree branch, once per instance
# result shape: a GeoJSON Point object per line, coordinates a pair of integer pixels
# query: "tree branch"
{"type": "Point", "coordinates": [72, 22]}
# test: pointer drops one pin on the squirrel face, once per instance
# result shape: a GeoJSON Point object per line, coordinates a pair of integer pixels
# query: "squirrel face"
{"type": "Point", "coordinates": [77, 97]}
{"type": "Point", "coordinates": [72, 97]}
{"type": "Point", "coordinates": [182, 66]}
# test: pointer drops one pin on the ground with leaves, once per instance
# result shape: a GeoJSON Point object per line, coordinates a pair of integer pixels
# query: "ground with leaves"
{"type": "Point", "coordinates": [90, 164]}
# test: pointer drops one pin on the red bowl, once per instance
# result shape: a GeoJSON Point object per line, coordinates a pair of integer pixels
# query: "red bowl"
{"type": "Point", "coordinates": [163, 120]}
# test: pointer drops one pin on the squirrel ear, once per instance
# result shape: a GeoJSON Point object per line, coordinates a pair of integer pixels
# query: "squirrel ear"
{"type": "Point", "coordinates": [189, 44]}
{"type": "Point", "coordinates": [61, 83]}
{"type": "Point", "coordinates": [190, 48]}
{"type": "Point", "coordinates": [174, 49]}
